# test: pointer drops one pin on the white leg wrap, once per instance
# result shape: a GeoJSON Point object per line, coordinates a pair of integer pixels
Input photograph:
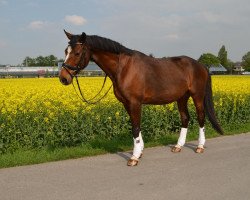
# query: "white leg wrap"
{"type": "Point", "coordinates": [138, 146]}
{"type": "Point", "coordinates": [142, 143]}
{"type": "Point", "coordinates": [182, 137]}
{"type": "Point", "coordinates": [201, 137]}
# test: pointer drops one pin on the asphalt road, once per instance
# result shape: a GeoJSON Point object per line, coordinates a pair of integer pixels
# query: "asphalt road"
{"type": "Point", "coordinates": [221, 172]}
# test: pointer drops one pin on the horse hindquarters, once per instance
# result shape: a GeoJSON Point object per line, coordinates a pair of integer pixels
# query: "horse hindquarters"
{"type": "Point", "coordinates": [197, 89]}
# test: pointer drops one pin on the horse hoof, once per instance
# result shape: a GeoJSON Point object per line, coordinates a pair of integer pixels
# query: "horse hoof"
{"type": "Point", "coordinates": [176, 149]}
{"type": "Point", "coordinates": [132, 162]}
{"type": "Point", "coordinates": [199, 150]}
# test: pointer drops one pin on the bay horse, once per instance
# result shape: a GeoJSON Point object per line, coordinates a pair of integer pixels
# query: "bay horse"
{"type": "Point", "coordinates": [140, 79]}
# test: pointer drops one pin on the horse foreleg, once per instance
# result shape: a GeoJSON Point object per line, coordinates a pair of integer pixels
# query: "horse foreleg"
{"type": "Point", "coordinates": [134, 111]}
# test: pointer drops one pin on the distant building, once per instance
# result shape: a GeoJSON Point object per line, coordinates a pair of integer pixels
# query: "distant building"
{"type": "Point", "coordinates": [21, 71]}
{"type": "Point", "coordinates": [238, 69]}
{"type": "Point", "coordinates": [48, 71]}
{"type": "Point", "coordinates": [92, 70]}
{"type": "Point", "coordinates": [217, 69]}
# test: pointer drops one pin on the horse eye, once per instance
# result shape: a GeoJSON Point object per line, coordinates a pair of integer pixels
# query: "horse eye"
{"type": "Point", "coordinates": [77, 54]}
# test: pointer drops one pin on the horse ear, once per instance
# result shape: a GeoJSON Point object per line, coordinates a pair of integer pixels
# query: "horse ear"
{"type": "Point", "coordinates": [69, 35]}
{"type": "Point", "coordinates": [83, 37]}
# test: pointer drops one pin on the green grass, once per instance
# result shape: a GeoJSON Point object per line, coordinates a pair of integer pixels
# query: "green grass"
{"type": "Point", "coordinates": [102, 146]}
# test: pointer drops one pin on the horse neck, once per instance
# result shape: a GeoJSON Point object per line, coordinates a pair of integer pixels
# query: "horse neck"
{"type": "Point", "coordinates": [107, 61]}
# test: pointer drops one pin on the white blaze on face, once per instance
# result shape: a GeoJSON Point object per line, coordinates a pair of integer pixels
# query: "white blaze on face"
{"type": "Point", "coordinates": [69, 49]}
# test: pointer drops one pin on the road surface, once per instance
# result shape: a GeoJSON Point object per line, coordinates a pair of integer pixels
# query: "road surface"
{"type": "Point", "coordinates": [221, 172]}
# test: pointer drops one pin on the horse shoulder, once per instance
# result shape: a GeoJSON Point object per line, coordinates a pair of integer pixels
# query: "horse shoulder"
{"type": "Point", "coordinates": [130, 78]}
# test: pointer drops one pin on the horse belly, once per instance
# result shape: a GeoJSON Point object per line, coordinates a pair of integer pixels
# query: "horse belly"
{"type": "Point", "coordinates": [164, 95]}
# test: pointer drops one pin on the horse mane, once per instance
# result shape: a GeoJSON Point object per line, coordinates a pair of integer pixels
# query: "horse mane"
{"type": "Point", "coordinates": [105, 44]}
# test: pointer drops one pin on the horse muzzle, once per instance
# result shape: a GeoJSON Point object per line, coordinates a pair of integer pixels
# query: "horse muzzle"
{"type": "Point", "coordinates": [64, 81]}
{"type": "Point", "coordinates": [65, 78]}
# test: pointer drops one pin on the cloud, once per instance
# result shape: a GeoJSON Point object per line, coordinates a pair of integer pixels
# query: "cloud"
{"type": "Point", "coordinates": [75, 20]}
{"type": "Point", "coordinates": [36, 25]}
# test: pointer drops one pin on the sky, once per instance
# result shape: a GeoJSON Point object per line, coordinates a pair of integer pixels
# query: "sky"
{"type": "Point", "coordinates": [159, 27]}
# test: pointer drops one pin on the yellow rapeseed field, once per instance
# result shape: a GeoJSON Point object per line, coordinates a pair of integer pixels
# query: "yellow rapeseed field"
{"type": "Point", "coordinates": [30, 93]}
{"type": "Point", "coordinates": [42, 112]}
{"type": "Point", "coordinates": [33, 94]}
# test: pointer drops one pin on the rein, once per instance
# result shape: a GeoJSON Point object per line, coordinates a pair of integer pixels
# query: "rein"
{"type": "Point", "coordinates": [81, 96]}
{"type": "Point", "coordinates": [77, 69]}
{"type": "Point", "coordinates": [90, 100]}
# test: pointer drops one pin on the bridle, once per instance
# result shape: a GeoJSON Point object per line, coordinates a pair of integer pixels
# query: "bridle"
{"type": "Point", "coordinates": [76, 70]}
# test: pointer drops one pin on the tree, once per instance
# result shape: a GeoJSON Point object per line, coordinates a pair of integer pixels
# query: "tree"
{"type": "Point", "coordinates": [222, 56]}
{"type": "Point", "coordinates": [246, 61]}
{"type": "Point", "coordinates": [50, 60]}
{"type": "Point", "coordinates": [28, 61]}
{"type": "Point", "coordinates": [208, 59]}
{"type": "Point", "coordinates": [40, 61]}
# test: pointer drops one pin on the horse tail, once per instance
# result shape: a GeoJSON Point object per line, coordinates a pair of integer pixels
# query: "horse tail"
{"type": "Point", "coordinates": [209, 107]}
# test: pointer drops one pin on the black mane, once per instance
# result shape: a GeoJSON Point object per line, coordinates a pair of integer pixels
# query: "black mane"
{"type": "Point", "coordinates": [97, 42]}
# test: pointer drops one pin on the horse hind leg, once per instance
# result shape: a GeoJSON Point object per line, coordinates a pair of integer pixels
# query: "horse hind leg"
{"type": "Point", "coordinates": [184, 115]}
{"type": "Point", "coordinates": [200, 111]}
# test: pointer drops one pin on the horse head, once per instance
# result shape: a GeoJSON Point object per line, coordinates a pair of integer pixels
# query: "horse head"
{"type": "Point", "coordinates": [77, 56]}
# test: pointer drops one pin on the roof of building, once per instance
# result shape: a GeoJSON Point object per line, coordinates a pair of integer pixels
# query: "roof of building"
{"type": "Point", "coordinates": [218, 68]}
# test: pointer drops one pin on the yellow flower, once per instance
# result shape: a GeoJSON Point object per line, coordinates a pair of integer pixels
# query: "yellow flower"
{"type": "Point", "coordinates": [48, 97]}
{"type": "Point", "coordinates": [46, 119]}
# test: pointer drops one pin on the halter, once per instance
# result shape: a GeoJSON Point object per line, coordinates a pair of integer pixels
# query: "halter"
{"type": "Point", "coordinates": [77, 69]}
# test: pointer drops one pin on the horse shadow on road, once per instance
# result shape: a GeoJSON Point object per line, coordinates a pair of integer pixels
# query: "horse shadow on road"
{"type": "Point", "coordinates": [187, 145]}
{"type": "Point", "coordinates": [125, 155]}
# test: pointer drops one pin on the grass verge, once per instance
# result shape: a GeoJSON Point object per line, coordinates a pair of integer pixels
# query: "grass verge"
{"type": "Point", "coordinates": [102, 146]}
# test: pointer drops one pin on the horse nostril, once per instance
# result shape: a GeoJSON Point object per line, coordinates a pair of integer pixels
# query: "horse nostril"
{"type": "Point", "coordinates": [64, 81]}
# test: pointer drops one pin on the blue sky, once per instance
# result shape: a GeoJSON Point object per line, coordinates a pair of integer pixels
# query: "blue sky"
{"type": "Point", "coordinates": [161, 27]}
